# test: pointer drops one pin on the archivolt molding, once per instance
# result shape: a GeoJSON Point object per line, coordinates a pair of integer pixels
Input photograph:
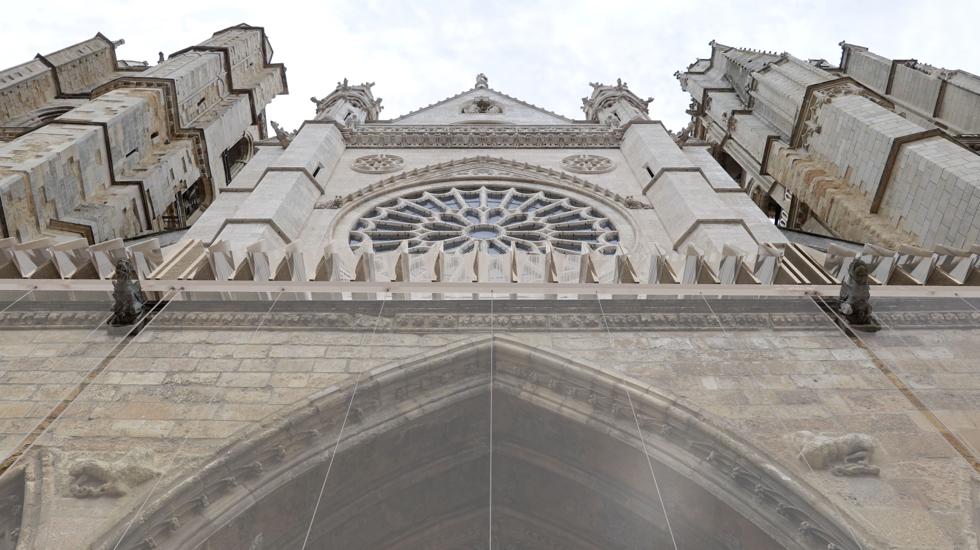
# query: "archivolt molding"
{"type": "Point", "coordinates": [294, 442]}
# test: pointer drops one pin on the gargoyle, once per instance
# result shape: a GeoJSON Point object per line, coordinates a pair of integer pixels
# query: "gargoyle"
{"type": "Point", "coordinates": [127, 294]}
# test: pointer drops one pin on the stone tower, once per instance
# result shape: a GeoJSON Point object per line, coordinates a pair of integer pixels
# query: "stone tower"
{"type": "Point", "coordinates": [873, 150]}
{"type": "Point", "coordinates": [98, 148]}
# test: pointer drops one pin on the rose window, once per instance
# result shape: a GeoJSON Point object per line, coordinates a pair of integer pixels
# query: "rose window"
{"type": "Point", "coordinates": [490, 217]}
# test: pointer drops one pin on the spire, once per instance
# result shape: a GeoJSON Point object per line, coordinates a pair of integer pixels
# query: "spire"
{"type": "Point", "coordinates": [481, 82]}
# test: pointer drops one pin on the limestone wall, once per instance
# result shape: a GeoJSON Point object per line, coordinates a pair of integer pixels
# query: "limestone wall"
{"type": "Point", "coordinates": [205, 374]}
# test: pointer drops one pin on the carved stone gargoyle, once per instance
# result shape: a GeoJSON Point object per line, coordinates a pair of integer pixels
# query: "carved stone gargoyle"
{"type": "Point", "coordinates": [855, 298]}
{"type": "Point", "coordinates": [127, 295]}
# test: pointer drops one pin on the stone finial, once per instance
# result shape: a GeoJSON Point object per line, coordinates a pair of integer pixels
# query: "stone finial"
{"type": "Point", "coordinates": [349, 104]}
{"type": "Point", "coordinates": [127, 294]}
{"type": "Point", "coordinates": [481, 82]}
{"type": "Point", "coordinates": [614, 104]}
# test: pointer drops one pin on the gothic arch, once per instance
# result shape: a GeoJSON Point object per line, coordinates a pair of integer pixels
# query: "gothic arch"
{"type": "Point", "coordinates": [567, 427]}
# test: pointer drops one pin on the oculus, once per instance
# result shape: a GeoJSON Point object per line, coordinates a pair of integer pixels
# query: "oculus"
{"type": "Point", "coordinates": [491, 218]}
{"type": "Point", "coordinates": [587, 164]}
{"type": "Point", "coordinates": [378, 164]}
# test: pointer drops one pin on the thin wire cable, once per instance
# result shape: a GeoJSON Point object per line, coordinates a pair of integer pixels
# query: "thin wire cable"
{"type": "Point", "coordinates": [180, 446]}
{"type": "Point", "coordinates": [340, 434]}
{"type": "Point", "coordinates": [490, 530]}
{"type": "Point", "coordinates": [643, 443]}
{"type": "Point", "coordinates": [82, 378]}
{"type": "Point", "coordinates": [12, 304]}
{"type": "Point", "coordinates": [775, 414]}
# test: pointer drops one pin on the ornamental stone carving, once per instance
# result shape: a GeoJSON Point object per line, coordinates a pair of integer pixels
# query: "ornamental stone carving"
{"type": "Point", "coordinates": [492, 218]}
{"type": "Point", "coordinates": [587, 164]}
{"type": "Point", "coordinates": [482, 105]}
{"type": "Point", "coordinates": [847, 455]}
{"type": "Point", "coordinates": [128, 298]}
{"type": "Point", "coordinates": [97, 478]}
{"type": "Point", "coordinates": [378, 164]}
{"type": "Point", "coordinates": [476, 136]}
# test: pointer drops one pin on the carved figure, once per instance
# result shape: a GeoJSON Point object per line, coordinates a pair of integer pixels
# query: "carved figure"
{"type": "Point", "coordinates": [855, 295]}
{"type": "Point", "coordinates": [127, 294]}
{"type": "Point", "coordinates": [846, 455]}
{"type": "Point", "coordinates": [283, 136]}
{"type": "Point", "coordinates": [481, 81]}
{"type": "Point", "coordinates": [635, 204]}
{"type": "Point", "coordinates": [96, 478]}
{"type": "Point", "coordinates": [482, 105]}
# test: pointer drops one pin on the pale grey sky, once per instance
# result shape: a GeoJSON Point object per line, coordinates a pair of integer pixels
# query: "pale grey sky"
{"type": "Point", "coordinates": [543, 52]}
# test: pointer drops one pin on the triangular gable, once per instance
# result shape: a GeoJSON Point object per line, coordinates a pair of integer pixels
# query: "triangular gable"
{"type": "Point", "coordinates": [464, 108]}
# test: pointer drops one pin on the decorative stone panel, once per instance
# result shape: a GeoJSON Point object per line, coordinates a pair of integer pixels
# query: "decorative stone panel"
{"type": "Point", "coordinates": [587, 164]}
{"type": "Point", "coordinates": [378, 164]}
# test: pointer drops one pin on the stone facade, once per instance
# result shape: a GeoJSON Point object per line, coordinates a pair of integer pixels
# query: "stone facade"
{"type": "Point", "coordinates": [483, 324]}
{"type": "Point", "coordinates": [872, 148]}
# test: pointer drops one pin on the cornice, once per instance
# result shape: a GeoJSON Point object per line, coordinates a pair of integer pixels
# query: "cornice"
{"type": "Point", "coordinates": [347, 317]}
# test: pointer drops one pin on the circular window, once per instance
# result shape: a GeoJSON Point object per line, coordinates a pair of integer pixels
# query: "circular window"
{"type": "Point", "coordinates": [490, 217]}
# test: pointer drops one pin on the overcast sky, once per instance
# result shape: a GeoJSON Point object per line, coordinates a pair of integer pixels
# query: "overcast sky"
{"type": "Point", "coordinates": [545, 52]}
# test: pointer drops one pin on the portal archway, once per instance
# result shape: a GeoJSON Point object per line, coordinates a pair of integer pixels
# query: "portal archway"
{"type": "Point", "coordinates": [413, 469]}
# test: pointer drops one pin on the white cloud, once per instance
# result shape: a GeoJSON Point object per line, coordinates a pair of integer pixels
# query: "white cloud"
{"type": "Point", "coordinates": [544, 52]}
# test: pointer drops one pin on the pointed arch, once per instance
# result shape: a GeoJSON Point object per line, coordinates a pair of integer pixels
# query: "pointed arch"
{"type": "Point", "coordinates": [580, 406]}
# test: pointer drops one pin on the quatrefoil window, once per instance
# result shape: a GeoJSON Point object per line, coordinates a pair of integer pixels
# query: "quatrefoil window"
{"type": "Point", "coordinates": [489, 217]}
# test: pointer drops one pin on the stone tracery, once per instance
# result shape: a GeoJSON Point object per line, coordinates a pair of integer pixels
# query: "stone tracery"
{"type": "Point", "coordinates": [587, 164]}
{"type": "Point", "coordinates": [378, 164]}
{"type": "Point", "coordinates": [490, 217]}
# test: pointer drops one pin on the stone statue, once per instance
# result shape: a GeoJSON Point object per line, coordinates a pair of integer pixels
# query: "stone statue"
{"type": "Point", "coordinates": [283, 136]}
{"type": "Point", "coordinates": [160, 59]}
{"type": "Point", "coordinates": [127, 293]}
{"type": "Point", "coordinates": [855, 295]}
{"type": "Point", "coordinates": [481, 82]}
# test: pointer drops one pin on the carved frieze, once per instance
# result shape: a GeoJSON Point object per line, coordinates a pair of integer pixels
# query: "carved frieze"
{"type": "Point", "coordinates": [474, 136]}
{"type": "Point", "coordinates": [378, 164]}
{"type": "Point", "coordinates": [437, 322]}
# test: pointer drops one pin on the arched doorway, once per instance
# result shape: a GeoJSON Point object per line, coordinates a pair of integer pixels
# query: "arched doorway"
{"type": "Point", "coordinates": [413, 469]}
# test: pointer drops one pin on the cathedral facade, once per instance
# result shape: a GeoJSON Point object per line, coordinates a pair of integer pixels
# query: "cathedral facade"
{"type": "Point", "coordinates": [482, 324]}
